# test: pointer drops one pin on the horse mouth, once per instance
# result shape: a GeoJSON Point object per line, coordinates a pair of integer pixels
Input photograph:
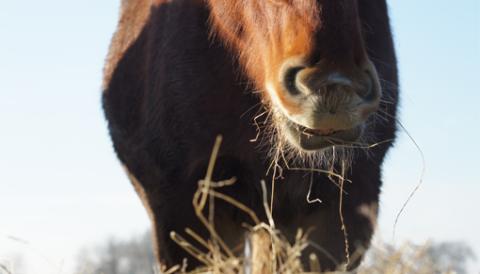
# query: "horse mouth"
{"type": "Point", "coordinates": [317, 139]}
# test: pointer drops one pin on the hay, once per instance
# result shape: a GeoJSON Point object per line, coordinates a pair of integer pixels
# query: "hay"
{"type": "Point", "coordinates": [266, 250]}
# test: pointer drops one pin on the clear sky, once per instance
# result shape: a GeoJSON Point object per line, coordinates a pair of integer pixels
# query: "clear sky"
{"type": "Point", "coordinates": [62, 188]}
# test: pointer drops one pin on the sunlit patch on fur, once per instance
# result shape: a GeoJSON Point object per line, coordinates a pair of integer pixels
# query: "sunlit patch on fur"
{"type": "Point", "coordinates": [277, 101]}
{"type": "Point", "coordinates": [133, 18]}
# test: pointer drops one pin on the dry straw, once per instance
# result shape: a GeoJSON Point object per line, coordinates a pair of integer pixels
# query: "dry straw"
{"type": "Point", "coordinates": [266, 250]}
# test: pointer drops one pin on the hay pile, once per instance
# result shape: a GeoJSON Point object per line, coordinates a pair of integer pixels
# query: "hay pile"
{"type": "Point", "coordinates": [266, 250]}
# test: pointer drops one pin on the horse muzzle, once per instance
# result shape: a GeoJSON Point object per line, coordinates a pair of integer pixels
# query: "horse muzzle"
{"type": "Point", "coordinates": [333, 105]}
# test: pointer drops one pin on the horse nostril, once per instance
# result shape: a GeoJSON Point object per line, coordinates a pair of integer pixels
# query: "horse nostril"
{"type": "Point", "coordinates": [338, 79]}
{"type": "Point", "coordinates": [367, 91]}
{"type": "Point", "coordinates": [329, 84]}
{"type": "Point", "coordinates": [290, 78]}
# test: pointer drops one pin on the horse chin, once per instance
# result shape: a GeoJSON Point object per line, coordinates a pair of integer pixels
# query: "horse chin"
{"type": "Point", "coordinates": [311, 140]}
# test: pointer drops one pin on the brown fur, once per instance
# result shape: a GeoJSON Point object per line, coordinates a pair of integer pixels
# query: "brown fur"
{"type": "Point", "coordinates": [133, 17]}
{"type": "Point", "coordinates": [278, 30]}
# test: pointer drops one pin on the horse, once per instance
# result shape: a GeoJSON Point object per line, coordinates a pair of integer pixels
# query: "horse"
{"type": "Point", "coordinates": [304, 93]}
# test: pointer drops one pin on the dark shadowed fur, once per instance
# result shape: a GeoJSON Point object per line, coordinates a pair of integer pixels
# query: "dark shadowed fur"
{"type": "Point", "coordinates": [171, 89]}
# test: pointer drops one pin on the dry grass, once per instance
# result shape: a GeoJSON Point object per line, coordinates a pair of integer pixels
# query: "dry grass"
{"type": "Point", "coordinates": [4, 269]}
{"type": "Point", "coordinates": [408, 259]}
{"type": "Point", "coordinates": [266, 250]}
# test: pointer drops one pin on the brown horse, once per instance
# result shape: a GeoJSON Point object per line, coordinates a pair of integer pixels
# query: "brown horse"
{"type": "Point", "coordinates": [292, 85]}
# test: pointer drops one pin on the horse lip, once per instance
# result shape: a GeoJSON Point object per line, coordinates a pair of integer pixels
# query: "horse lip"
{"type": "Point", "coordinates": [304, 138]}
{"type": "Point", "coordinates": [317, 132]}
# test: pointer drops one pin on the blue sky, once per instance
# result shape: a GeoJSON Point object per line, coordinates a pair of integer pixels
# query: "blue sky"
{"type": "Point", "coordinates": [61, 187]}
